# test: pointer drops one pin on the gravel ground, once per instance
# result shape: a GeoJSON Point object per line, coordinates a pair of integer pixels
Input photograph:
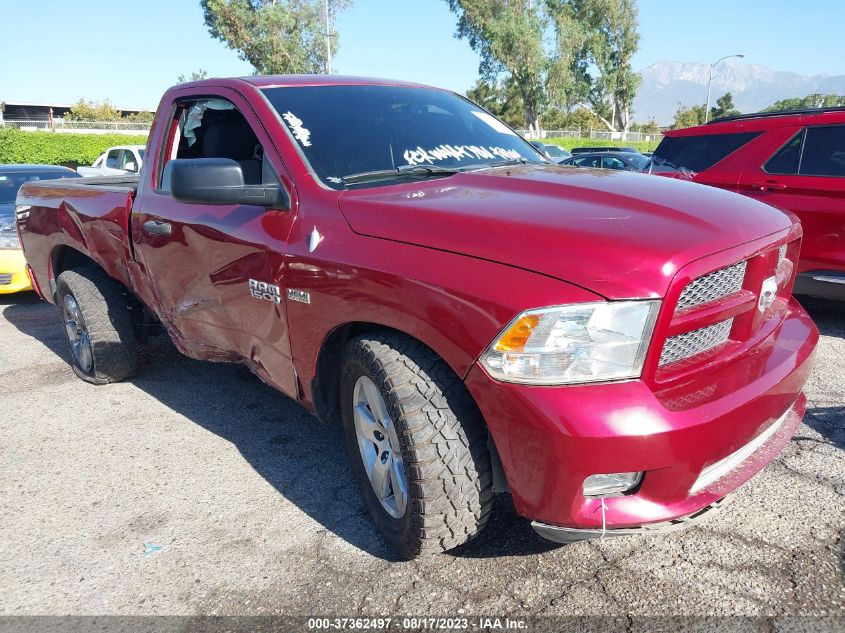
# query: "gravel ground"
{"type": "Point", "coordinates": [251, 503]}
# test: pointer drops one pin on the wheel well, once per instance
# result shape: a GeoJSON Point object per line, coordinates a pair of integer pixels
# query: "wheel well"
{"type": "Point", "coordinates": [325, 391]}
{"type": "Point", "coordinates": [64, 258]}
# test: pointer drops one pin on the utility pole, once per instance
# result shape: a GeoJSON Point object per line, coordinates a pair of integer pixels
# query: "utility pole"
{"type": "Point", "coordinates": [328, 42]}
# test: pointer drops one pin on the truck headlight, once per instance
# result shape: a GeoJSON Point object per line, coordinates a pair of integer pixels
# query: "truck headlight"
{"type": "Point", "coordinates": [9, 234]}
{"type": "Point", "coordinates": [586, 342]}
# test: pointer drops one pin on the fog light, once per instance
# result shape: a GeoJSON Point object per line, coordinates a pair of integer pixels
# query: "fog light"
{"type": "Point", "coordinates": [611, 484]}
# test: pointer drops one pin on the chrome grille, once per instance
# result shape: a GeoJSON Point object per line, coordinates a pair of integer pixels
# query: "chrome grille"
{"type": "Point", "coordinates": [689, 344]}
{"type": "Point", "coordinates": [5, 279]}
{"type": "Point", "coordinates": [712, 286]}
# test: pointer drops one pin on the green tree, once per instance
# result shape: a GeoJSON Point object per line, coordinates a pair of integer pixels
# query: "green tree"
{"type": "Point", "coordinates": [578, 119]}
{"type": "Point", "coordinates": [195, 76]}
{"type": "Point", "coordinates": [604, 72]}
{"type": "Point", "coordinates": [145, 116]}
{"type": "Point", "coordinates": [810, 101]}
{"type": "Point", "coordinates": [558, 53]}
{"type": "Point", "coordinates": [724, 107]}
{"type": "Point", "coordinates": [276, 36]}
{"type": "Point", "coordinates": [502, 99]}
{"type": "Point", "coordinates": [651, 127]}
{"type": "Point", "coordinates": [84, 110]}
{"type": "Point", "coordinates": [508, 35]}
{"type": "Point", "coordinates": [690, 116]}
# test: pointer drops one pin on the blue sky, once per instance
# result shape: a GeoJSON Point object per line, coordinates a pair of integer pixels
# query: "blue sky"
{"type": "Point", "coordinates": [131, 51]}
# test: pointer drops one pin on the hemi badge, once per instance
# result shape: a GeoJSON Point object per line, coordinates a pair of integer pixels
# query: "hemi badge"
{"type": "Point", "coordinates": [299, 295]}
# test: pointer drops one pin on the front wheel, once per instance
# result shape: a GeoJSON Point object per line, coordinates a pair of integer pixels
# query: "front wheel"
{"type": "Point", "coordinates": [417, 444]}
{"type": "Point", "coordinates": [98, 325]}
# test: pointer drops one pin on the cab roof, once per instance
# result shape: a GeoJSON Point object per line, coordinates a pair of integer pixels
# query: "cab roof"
{"type": "Point", "coordinates": [278, 81]}
{"type": "Point", "coordinates": [762, 121]}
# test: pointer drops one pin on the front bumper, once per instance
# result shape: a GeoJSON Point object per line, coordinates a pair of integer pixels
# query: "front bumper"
{"type": "Point", "coordinates": [550, 439]}
{"type": "Point", "coordinates": [560, 534]}
{"type": "Point", "coordinates": [13, 277]}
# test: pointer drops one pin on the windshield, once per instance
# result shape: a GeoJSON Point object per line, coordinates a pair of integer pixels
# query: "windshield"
{"type": "Point", "coordinates": [141, 153]}
{"type": "Point", "coordinates": [555, 152]}
{"type": "Point", "coordinates": [637, 160]}
{"type": "Point", "coordinates": [350, 130]}
{"type": "Point", "coordinates": [12, 181]}
{"type": "Point", "coordinates": [695, 153]}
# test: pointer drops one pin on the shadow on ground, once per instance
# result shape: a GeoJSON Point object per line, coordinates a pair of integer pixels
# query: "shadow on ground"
{"type": "Point", "coordinates": [301, 457]}
{"type": "Point", "coordinates": [828, 315]}
{"type": "Point", "coordinates": [828, 421]}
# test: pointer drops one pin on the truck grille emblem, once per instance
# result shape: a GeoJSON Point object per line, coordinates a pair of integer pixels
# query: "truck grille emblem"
{"type": "Point", "coordinates": [768, 292]}
{"type": "Point", "coordinates": [264, 291]}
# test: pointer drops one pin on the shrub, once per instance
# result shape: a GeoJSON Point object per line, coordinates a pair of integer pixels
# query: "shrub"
{"type": "Point", "coordinates": [51, 148]}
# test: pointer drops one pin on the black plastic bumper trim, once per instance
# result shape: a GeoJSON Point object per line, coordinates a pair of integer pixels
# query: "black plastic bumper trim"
{"type": "Point", "coordinates": [560, 534]}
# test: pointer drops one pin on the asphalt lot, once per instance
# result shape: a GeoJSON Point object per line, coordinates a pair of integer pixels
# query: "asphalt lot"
{"type": "Point", "coordinates": [252, 505]}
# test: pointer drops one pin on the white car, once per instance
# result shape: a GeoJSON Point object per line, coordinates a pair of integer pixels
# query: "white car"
{"type": "Point", "coordinates": [116, 161]}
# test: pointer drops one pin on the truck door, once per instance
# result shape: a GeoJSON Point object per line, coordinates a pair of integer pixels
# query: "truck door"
{"type": "Point", "coordinates": [215, 270]}
{"type": "Point", "coordinates": [803, 171]}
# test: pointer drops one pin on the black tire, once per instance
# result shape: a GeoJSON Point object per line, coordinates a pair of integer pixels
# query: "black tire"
{"type": "Point", "coordinates": [103, 304]}
{"type": "Point", "coordinates": [443, 444]}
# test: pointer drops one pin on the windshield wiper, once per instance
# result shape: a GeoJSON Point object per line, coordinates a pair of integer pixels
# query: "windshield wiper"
{"type": "Point", "coordinates": [511, 161]}
{"type": "Point", "coordinates": [404, 171]}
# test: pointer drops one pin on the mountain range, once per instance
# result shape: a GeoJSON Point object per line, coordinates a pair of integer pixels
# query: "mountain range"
{"type": "Point", "coordinates": [666, 84]}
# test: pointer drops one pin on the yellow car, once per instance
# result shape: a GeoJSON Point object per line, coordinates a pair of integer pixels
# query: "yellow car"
{"type": "Point", "coordinates": [13, 277]}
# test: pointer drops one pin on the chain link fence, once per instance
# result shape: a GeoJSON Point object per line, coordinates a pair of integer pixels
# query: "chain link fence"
{"type": "Point", "coordinates": [595, 134]}
{"type": "Point", "coordinates": [85, 127]}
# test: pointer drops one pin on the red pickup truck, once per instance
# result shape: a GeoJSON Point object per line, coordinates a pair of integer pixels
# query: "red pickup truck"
{"type": "Point", "coordinates": [617, 351]}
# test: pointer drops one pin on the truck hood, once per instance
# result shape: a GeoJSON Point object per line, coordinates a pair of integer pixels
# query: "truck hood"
{"type": "Point", "coordinates": [619, 234]}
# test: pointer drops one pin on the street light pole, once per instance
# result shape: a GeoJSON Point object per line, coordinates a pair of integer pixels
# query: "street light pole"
{"type": "Point", "coordinates": [328, 42]}
{"type": "Point", "coordinates": [710, 81]}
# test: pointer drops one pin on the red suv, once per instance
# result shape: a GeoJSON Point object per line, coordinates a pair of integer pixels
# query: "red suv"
{"type": "Point", "coordinates": [791, 160]}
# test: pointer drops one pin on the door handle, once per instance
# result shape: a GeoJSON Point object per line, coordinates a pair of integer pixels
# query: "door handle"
{"type": "Point", "coordinates": [157, 227]}
{"type": "Point", "coordinates": [769, 185]}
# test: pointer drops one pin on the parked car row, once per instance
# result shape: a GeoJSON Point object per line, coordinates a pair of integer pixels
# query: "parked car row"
{"type": "Point", "coordinates": [608, 159]}
{"type": "Point", "coordinates": [553, 152]}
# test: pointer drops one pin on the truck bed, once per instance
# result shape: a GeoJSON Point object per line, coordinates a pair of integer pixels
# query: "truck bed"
{"type": "Point", "coordinates": [80, 218]}
{"type": "Point", "coordinates": [113, 183]}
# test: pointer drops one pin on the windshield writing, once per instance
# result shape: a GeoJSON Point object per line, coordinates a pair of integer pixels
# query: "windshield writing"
{"type": "Point", "coordinates": [350, 130]}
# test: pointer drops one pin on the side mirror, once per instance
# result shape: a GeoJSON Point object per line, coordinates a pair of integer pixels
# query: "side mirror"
{"type": "Point", "coordinates": [130, 167]}
{"type": "Point", "coordinates": [219, 181]}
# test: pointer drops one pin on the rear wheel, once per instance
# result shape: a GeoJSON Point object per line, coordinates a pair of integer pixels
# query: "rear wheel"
{"type": "Point", "coordinates": [417, 443]}
{"type": "Point", "coordinates": [99, 328]}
